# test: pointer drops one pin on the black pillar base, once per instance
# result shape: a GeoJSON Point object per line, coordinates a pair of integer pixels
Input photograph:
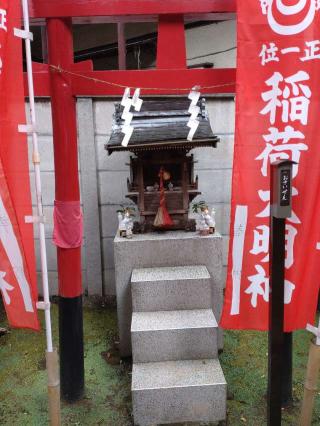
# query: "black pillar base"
{"type": "Point", "coordinates": [276, 319]}
{"type": "Point", "coordinates": [287, 370]}
{"type": "Point", "coordinates": [71, 348]}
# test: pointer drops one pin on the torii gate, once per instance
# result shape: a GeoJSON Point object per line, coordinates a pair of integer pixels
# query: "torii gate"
{"type": "Point", "coordinates": [64, 86]}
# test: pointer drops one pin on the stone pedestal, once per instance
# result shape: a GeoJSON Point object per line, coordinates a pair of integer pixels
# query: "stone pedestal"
{"type": "Point", "coordinates": [167, 249]}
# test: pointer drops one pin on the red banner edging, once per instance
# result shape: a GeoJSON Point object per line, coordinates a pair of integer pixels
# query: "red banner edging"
{"type": "Point", "coordinates": [17, 259]}
{"type": "Point", "coordinates": [277, 110]}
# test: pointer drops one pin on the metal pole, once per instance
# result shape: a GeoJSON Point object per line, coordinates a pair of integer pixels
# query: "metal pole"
{"type": "Point", "coordinates": [287, 370]}
{"type": "Point", "coordinates": [279, 374]}
{"type": "Point", "coordinates": [51, 353]}
{"type": "Point", "coordinates": [36, 162]}
{"type": "Point", "coordinates": [276, 311]}
{"type": "Point", "coordinates": [60, 50]}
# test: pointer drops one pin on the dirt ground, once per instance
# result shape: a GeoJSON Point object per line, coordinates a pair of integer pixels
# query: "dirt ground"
{"type": "Point", "coordinates": [23, 399]}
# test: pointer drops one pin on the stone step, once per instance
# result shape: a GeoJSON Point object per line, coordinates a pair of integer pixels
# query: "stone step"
{"type": "Point", "coordinates": [171, 288]}
{"type": "Point", "coordinates": [178, 391]}
{"type": "Point", "coordinates": [173, 335]}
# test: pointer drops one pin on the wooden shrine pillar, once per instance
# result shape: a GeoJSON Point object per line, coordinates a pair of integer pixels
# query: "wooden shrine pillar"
{"type": "Point", "coordinates": [60, 52]}
{"type": "Point", "coordinates": [122, 54]}
{"type": "Point", "coordinates": [171, 48]}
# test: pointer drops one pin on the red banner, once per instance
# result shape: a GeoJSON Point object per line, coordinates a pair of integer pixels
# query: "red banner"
{"type": "Point", "coordinates": [277, 116]}
{"type": "Point", "coordinates": [17, 261]}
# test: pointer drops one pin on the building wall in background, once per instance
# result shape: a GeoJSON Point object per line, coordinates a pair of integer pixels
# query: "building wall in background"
{"type": "Point", "coordinates": [208, 40]}
{"type": "Point", "coordinates": [103, 179]}
{"type": "Point", "coordinates": [211, 43]}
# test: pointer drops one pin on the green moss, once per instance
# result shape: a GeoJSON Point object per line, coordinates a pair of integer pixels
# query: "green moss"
{"type": "Point", "coordinates": [245, 363]}
{"type": "Point", "coordinates": [23, 398]}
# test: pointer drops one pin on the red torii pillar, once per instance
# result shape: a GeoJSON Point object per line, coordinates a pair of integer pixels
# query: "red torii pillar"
{"type": "Point", "coordinates": [171, 47]}
{"type": "Point", "coordinates": [60, 50]}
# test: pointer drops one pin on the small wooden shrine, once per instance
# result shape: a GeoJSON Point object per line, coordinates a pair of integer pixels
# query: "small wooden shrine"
{"type": "Point", "coordinates": [161, 166]}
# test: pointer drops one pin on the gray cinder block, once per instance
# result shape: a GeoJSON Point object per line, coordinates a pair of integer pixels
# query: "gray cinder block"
{"type": "Point", "coordinates": [173, 335]}
{"type": "Point", "coordinates": [171, 288]}
{"type": "Point", "coordinates": [103, 111]}
{"type": "Point", "coordinates": [48, 184]}
{"type": "Point", "coordinates": [89, 192]}
{"type": "Point", "coordinates": [43, 113]}
{"type": "Point", "coordinates": [113, 187]}
{"type": "Point", "coordinates": [178, 391]}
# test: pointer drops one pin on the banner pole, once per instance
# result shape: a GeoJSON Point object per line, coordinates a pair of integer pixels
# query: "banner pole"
{"type": "Point", "coordinates": [51, 353]}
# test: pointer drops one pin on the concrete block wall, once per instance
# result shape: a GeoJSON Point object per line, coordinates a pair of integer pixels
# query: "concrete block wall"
{"type": "Point", "coordinates": [43, 110]}
{"type": "Point", "coordinates": [112, 174]}
{"type": "Point", "coordinates": [103, 184]}
{"type": "Point", "coordinates": [44, 127]}
{"type": "Point", "coordinates": [214, 166]}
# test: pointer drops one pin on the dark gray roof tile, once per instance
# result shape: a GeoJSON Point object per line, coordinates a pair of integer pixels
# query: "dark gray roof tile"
{"type": "Point", "coordinates": [162, 123]}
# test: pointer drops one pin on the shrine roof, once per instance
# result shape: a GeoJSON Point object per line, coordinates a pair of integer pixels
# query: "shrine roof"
{"type": "Point", "coordinates": [162, 124]}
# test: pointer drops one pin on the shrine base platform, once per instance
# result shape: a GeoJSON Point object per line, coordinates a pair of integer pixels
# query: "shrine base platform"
{"type": "Point", "coordinates": [165, 249]}
{"type": "Point", "coordinates": [169, 296]}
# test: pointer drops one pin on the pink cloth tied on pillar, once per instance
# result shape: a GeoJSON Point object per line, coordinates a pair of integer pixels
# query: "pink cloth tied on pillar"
{"type": "Point", "coordinates": [68, 224]}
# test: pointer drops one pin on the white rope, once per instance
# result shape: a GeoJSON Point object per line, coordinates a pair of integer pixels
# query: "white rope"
{"type": "Point", "coordinates": [43, 254]}
{"type": "Point", "coordinates": [124, 86]}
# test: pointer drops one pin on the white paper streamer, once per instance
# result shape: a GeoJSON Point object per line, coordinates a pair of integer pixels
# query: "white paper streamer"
{"type": "Point", "coordinates": [136, 101]}
{"type": "Point", "coordinates": [127, 116]}
{"type": "Point", "coordinates": [194, 110]}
